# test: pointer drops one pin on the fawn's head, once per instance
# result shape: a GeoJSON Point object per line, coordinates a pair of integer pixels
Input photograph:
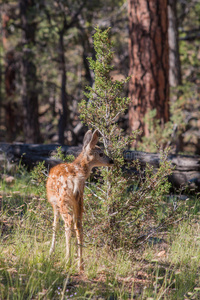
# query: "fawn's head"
{"type": "Point", "coordinates": [95, 155]}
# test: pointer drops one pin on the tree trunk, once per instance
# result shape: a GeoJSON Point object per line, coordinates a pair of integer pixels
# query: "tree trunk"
{"type": "Point", "coordinates": [28, 73]}
{"type": "Point", "coordinates": [9, 80]}
{"type": "Point", "coordinates": [174, 58]}
{"type": "Point", "coordinates": [64, 115]}
{"type": "Point", "coordinates": [149, 62]}
{"type": "Point", "coordinates": [1, 100]}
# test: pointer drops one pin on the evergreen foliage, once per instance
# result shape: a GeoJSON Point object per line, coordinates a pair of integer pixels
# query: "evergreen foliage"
{"type": "Point", "coordinates": [106, 103]}
{"type": "Point", "coordinates": [122, 200]}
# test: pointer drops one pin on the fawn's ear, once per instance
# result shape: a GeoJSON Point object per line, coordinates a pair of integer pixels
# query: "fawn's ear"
{"type": "Point", "coordinates": [87, 138]}
{"type": "Point", "coordinates": [94, 139]}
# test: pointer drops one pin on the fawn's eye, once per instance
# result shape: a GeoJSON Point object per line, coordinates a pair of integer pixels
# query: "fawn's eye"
{"type": "Point", "coordinates": [101, 154]}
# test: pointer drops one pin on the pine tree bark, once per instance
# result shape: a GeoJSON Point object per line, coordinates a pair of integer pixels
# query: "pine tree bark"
{"type": "Point", "coordinates": [149, 62]}
{"type": "Point", "coordinates": [28, 72]}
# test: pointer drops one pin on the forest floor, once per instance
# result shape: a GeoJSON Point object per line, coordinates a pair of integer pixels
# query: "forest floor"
{"type": "Point", "coordinates": [167, 267]}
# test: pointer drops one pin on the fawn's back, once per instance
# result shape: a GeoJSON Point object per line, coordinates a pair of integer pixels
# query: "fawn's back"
{"type": "Point", "coordinates": [65, 185]}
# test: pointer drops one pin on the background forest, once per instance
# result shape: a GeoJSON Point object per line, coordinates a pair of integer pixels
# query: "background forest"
{"type": "Point", "coordinates": [141, 229]}
{"type": "Point", "coordinates": [44, 71]}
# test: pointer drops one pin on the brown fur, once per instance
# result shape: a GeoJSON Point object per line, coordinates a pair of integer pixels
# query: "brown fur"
{"type": "Point", "coordinates": [65, 187]}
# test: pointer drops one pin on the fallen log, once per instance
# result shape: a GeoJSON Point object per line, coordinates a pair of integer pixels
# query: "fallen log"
{"type": "Point", "coordinates": [31, 154]}
{"type": "Point", "coordinates": [186, 173]}
{"type": "Point", "coordinates": [186, 168]}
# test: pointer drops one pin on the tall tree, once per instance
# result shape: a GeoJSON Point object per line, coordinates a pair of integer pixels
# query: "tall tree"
{"type": "Point", "coordinates": [9, 76]}
{"type": "Point", "coordinates": [149, 61]}
{"type": "Point", "coordinates": [65, 17]}
{"type": "Point", "coordinates": [64, 115]}
{"type": "Point", "coordinates": [174, 58]}
{"type": "Point", "coordinates": [28, 71]}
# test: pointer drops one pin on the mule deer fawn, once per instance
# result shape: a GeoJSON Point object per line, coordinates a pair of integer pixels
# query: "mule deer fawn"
{"type": "Point", "coordinates": [65, 187]}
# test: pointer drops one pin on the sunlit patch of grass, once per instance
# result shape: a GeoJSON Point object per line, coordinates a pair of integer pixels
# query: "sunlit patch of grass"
{"type": "Point", "coordinates": [185, 254]}
{"type": "Point", "coordinates": [27, 271]}
{"type": "Point", "coordinates": [100, 260]}
{"type": "Point", "coordinates": [177, 274]}
{"type": "Point", "coordinates": [185, 249]}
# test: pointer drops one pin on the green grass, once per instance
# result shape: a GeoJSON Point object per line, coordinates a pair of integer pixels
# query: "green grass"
{"type": "Point", "coordinates": [149, 272]}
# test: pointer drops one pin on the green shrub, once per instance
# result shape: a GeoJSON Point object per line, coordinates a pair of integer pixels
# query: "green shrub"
{"type": "Point", "coordinates": [122, 203]}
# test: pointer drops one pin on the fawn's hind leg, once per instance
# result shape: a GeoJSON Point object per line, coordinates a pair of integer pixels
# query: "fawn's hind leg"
{"type": "Point", "coordinates": [68, 220]}
{"type": "Point", "coordinates": [79, 233]}
{"type": "Point", "coordinates": [55, 224]}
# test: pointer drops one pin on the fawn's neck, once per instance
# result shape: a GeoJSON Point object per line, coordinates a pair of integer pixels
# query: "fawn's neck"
{"type": "Point", "coordinates": [83, 165]}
